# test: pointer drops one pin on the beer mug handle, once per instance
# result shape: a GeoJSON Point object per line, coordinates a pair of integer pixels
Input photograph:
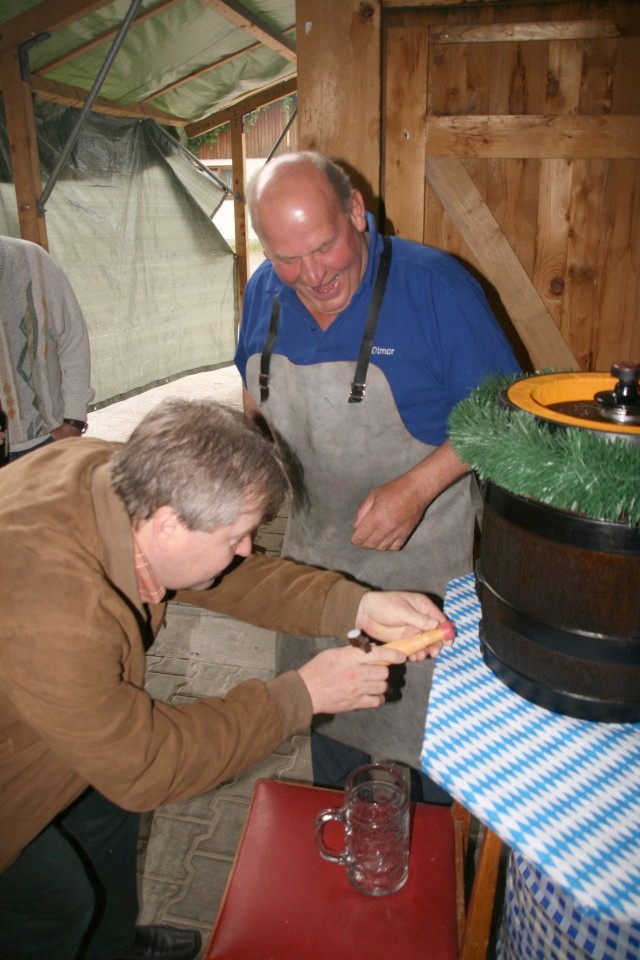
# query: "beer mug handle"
{"type": "Point", "coordinates": [326, 852]}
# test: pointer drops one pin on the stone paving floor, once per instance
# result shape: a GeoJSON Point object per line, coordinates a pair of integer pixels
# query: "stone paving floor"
{"type": "Point", "coordinates": [186, 850]}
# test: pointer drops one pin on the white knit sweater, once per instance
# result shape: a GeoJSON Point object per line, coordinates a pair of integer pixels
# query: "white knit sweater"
{"type": "Point", "coordinates": [44, 345]}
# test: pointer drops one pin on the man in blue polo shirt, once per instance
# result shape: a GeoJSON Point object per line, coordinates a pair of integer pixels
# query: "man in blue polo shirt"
{"type": "Point", "coordinates": [354, 348]}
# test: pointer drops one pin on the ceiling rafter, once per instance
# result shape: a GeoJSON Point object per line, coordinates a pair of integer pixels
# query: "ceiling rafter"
{"type": "Point", "coordinates": [52, 15]}
{"type": "Point", "coordinates": [241, 107]}
{"type": "Point", "coordinates": [65, 58]}
{"type": "Point", "coordinates": [46, 17]}
{"type": "Point", "coordinates": [201, 70]}
{"type": "Point", "coordinates": [72, 96]}
{"type": "Point", "coordinates": [241, 17]}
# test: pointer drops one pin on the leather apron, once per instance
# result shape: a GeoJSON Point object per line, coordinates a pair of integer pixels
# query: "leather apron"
{"type": "Point", "coordinates": [337, 452]}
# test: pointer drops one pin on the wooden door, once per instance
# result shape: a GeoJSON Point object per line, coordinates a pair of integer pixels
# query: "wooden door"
{"type": "Point", "coordinates": [511, 138]}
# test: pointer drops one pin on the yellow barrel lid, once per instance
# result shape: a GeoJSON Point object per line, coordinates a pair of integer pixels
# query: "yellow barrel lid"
{"type": "Point", "coordinates": [567, 399]}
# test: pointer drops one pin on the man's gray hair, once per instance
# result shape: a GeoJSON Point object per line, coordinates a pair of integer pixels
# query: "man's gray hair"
{"type": "Point", "coordinates": [203, 459]}
{"type": "Point", "coordinates": [336, 177]}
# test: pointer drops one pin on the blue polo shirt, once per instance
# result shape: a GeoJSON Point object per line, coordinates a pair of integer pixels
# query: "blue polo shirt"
{"type": "Point", "coordinates": [436, 339]}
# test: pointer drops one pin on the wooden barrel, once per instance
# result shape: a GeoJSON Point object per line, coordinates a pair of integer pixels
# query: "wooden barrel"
{"type": "Point", "coordinates": [560, 598]}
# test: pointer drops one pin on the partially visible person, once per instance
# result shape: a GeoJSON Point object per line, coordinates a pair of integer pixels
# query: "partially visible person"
{"type": "Point", "coordinates": [95, 537]}
{"type": "Point", "coordinates": [44, 349]}
{"type": "Point", "coordinates": [354, 348]}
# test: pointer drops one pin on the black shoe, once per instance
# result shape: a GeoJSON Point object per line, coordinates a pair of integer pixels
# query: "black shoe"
{"type": "Point", "coordinates": [163, 943]}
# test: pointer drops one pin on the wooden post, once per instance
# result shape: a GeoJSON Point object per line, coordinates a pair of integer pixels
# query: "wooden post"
{"type": "Point", "coordinates": [405, 118]}
{"type": "Point", "coordinates": [23, 143]}
{"type": "Point", "coordinates": [338, 43]}
{"type": "Point", "coordinates": [238, 155]}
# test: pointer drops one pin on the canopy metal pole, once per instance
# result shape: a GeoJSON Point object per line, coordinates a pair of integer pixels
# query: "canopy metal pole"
{"type": "Point", "coordinates": [198, 162]}
{"type": "Point", "coordinates": [283, 134]}
{"type": "Point", "coordinates": [95, 90]}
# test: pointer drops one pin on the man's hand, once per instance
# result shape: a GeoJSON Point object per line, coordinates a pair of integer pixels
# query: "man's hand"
{"type": "Point", "coordinates": [346, 678]}
{"type": "Point", "coordinates": [394, 615]}
{"type": "Point", "coordinates": [65, 430]}
{"type": "Point", "coordinates": [390, 513]}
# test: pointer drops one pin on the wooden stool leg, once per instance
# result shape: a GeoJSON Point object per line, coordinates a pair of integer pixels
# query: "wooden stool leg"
{"type": "Point", "coordinates": [477, 928]}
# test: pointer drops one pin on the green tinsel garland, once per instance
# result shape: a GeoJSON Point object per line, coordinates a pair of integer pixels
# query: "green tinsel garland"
{"type": "Point", "coordinates": [570, 469]}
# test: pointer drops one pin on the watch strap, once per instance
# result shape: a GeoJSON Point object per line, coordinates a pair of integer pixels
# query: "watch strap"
{"type": "Point", "coordinates": [80, 425]}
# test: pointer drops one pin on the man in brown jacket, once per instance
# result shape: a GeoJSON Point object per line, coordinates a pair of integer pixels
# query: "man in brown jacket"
{"type": "Point", "coordinates": [95, 537]}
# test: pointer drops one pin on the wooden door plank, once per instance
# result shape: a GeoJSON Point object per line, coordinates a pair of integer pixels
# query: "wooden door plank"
{"type": "Point", "coordinates": [512, 183]}
{"type": "Point", "coordinates": [619, 275]}
{"type": "Point", "coordinates": [552, 232]}
{"type": "Point", "coordinates": [525, 32]}
{"type": "Point", "coordinates": [512, 196]}
{"type": "Point", "coordinates": [451, 92]}
{"type": "Point", "coordinates": [562, 95]}
{"type": "Point", "coordinates": [582, 315]}
{"type": "Point", "coordinates": [482, 234]}
{"type": "Point", "coordinates": [627, 96]}
{"type": "Point", "coordinates": [597, 88]}
{"type": "Point", "coordinates": [405, 106]}
{"type": "Point", "coordinates": [541, 137]}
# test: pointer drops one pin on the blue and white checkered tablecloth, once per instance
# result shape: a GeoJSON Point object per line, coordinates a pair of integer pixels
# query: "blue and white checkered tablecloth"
{"type": "Point", "coordinates": [564, 793]}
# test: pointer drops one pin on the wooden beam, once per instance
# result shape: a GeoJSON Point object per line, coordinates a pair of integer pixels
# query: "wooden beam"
{"type": "Point", "coordinates": [260, 99]}
{"type": "Point", "coordinates": [71, 55]}
{"type": "Point", "coordinates": [72, 96]}
{"type": "Point", "coordinates": [46, 17]}
{"type": "Point", "coordinates": [406, 66]}
{"type": "Point", "coordinates": [248, 21]}
{"type": "Point", "coordinates": [525, 32]}
{"type": "Point", "coordinates": [198, 73]}
{"type": "Point", "coordinates": [560, 137]}
{"type": "Point", "coordinates": [23, 146]}
{"type": "Point", "coordinates": [339, 44]}
{"type": "Point", "coordinates": [496, 259]}
{"type": "Point", "coordinates": [394, 4]}
{"type": "Point", "coordinates": [202, 70]}
{"type": "Point", "coordinates": [238, 164]}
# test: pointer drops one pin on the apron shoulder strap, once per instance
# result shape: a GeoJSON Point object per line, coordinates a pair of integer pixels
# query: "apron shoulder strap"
{"type": "Point", "coordinates": [267, 350]}
{"type": "Point", "coordinates": [360, 376]}
{"type": "Point", "coordinates": [359, 384]}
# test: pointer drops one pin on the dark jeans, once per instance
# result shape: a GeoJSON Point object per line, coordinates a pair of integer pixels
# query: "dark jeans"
{"type": "Point", "coordinates": [72, 892]}
{"type": "Point", "coordinates": [15, 454]}
{"type": "Point", "coordinates": [333, 761]}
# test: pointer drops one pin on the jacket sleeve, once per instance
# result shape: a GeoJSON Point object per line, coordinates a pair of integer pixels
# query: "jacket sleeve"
{"type": "Point", "coordinates": [69, 332]}
{"type": "Point", "coordinates": [283, 595]}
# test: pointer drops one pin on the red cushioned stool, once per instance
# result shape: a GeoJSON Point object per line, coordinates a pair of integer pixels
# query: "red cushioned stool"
{"type": "Point", "coordinates": [284, 902]}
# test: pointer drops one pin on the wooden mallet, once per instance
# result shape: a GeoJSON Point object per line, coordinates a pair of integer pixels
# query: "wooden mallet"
{"type": "Point", "coordinates": [443, 633]}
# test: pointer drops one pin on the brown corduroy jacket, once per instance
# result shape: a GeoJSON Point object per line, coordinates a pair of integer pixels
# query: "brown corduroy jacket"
{"type": "Point", "coordinates": [73, 638]}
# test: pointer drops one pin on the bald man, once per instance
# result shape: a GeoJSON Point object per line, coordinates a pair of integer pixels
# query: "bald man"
{"type": "Point", "coordinates": [354, 348]}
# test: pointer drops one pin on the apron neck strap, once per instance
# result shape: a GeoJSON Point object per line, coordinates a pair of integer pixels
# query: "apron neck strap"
{"type": "Point", "coordinates": [359, 383]}
{"type": "Point", "coordinates": [267, 350]}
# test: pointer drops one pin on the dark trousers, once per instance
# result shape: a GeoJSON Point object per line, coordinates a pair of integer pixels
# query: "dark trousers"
{"type": "Point", "coordinates": [333, 761]}
{"type": "Point", "coordinates": [15, 455]}
{"type": "Point", "coordinates": [72, 893]}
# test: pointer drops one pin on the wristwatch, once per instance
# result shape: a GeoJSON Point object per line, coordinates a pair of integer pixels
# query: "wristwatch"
{"type": "Point", "coordinates": [80, 425]}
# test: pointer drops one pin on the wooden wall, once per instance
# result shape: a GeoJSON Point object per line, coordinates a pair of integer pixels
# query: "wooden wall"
{"type": "Point", "coordinates": [509, 135]}
{"type": "Point", "coordinates": [339, 78]}
{"type": "Point", "coordinates": [260, 135]}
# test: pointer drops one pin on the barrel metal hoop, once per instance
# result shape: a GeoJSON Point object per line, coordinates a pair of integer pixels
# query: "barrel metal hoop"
{"type": "Point", "coordinates": [563, 526]}
{"type": "Point", "coordinates": [574, 643]}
